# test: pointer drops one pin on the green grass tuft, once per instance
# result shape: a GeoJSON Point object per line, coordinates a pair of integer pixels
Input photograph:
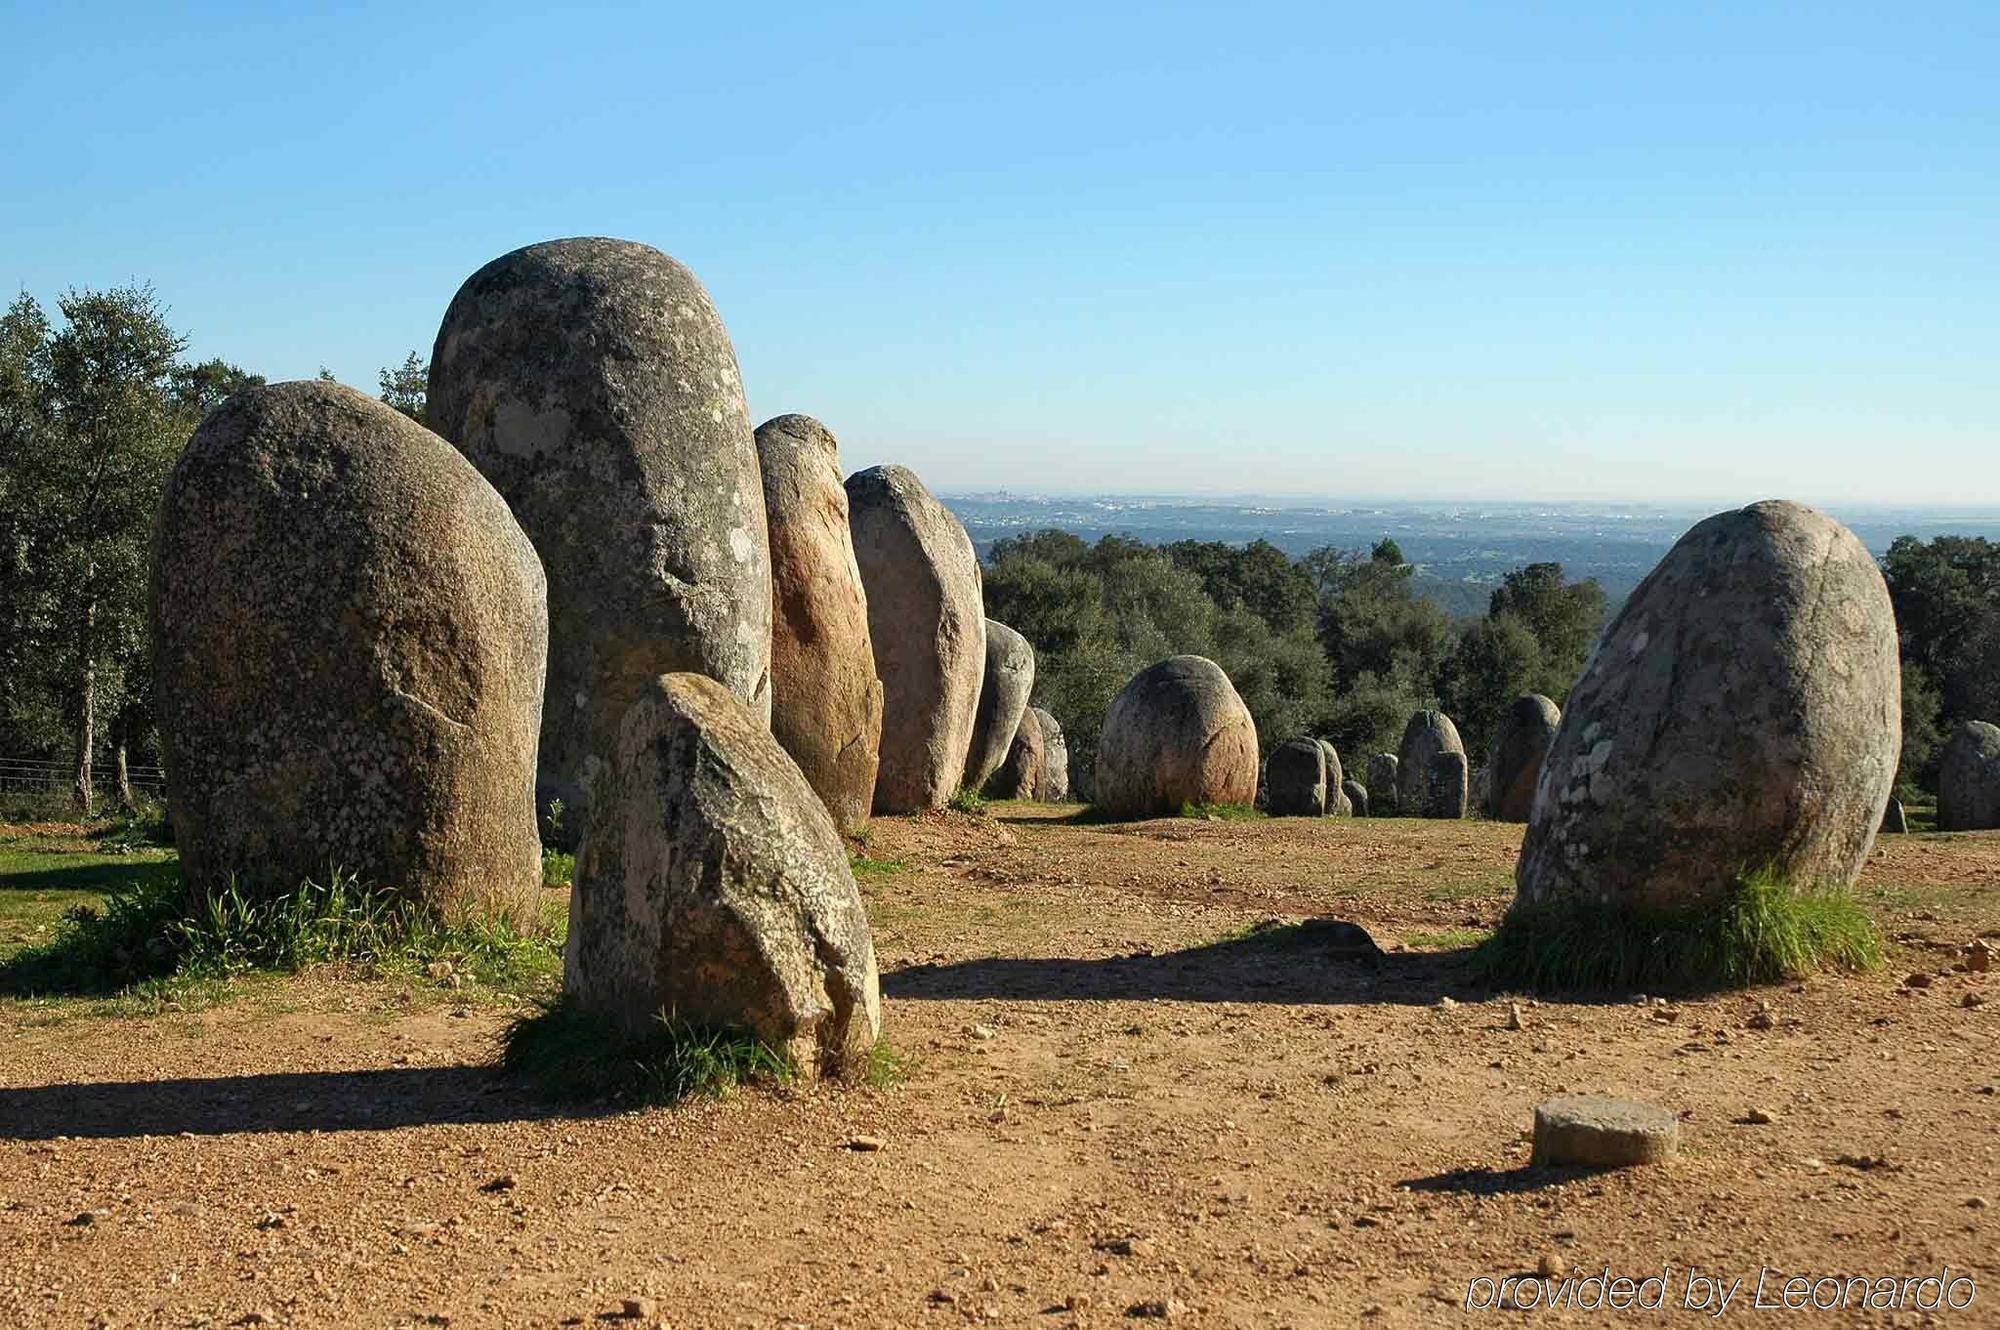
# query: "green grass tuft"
{"type": "Point", "coordinates": [558, 868]}
{"type": "Point", "coordinates": [1767, 931]}
{"type": "Point", "coordinates": [968, 800]}
{"type": "Point", "coordinates": [887, 1065]}
{"type": "Point", "coordinates": [866, 868]}
{"type": "Point", "coordinates": [1223, 812]}
{"type": "Point", "coordinates": [1449, 938]}
{"type": "Point", "coordinates": [571, 1055]}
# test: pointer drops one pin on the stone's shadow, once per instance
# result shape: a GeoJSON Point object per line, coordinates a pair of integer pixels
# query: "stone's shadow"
{"type": "Point", "coordinates": [1500, 1181]}
{"type": "Point", "coordinates": [371, 1100]}
{"type": "Point", "coordinates": [1322, 961]}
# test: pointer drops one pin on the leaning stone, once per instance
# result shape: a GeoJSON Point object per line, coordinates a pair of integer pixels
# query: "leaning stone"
{"type": "Point", "coordinates": [1337, 802]}
{"type": "Point", "coordinates": [1297, 777]}
{"type": "Point", "coordinates": [1177, 734]}
{"type": "Point", "coordinates": [1003, 697]}
{"type": "Point", "coordinates": [1055, 759]}
{"type": "Point", "coordinates": [593, 383]}
{"type": "Point", "coordinates": [1428, 732]}
{"type": "Point", "coordinates": [348, 637]}
{"type": "Point", "coordinates": [1969, 779]}
{"type": "Point", "coordinates": [1586, 1131]}
{"type": "Point", "coordinates": [1381, 782]}
{"type": "Point", "coordinates": [1445, 792]}
{"type": "Point", "coordinates": [826, 703]}
{"type": "Point", "coordinates": [714, 886]}
{"type": "Point", "coordinates": [929, 631]}
{"type": "Point", "coordinates": [1020, 776]}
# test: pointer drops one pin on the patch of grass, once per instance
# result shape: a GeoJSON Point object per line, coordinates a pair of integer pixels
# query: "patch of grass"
{"type": "Point", "coordinates": [866, 868]}
{"type": "Point", "coordinates": [1450, 938]}
{"type": "Point", "coordinates": [886, 1065]}
{"type": "Point", "coordinates": [1464, 891]}
{"type": "Point", "coordinates": [1223, 812]}
{"type": "Point", "coordinates": [568, 1054]}
{"type": "Point", "coordinates": [1766, 931]}
{"type": "Point", "coordinates": [558, 868]}
{"type": "Point", "coordinates": [144, 939]}
{"type": "Point", "coordinates": [969, 800]}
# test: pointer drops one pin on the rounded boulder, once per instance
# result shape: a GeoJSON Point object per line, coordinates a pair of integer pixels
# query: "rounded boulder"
{"type": "Point", "coordinates": [348, 632]}
{"type": "Point", "coordinates": [826, 703]}
{"type": "Point", "coordinates": [1296, 777]}
{"type": "Point", "coordinates": [592, 381]}
{"type": "Point", "coordinates": [1741, 714]}
{"type": "Point", "coordinates": [1428, 732]}
{"type": "Point", "coordinates": [928, 627]}
{"type": "Point", "coordinates": [1969, 779]}
{"type": "Point", "coordinates": [1176, 734]}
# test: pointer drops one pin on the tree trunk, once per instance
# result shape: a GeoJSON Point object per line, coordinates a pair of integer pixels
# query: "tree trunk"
{"type": "Point", "coordinates": [126, 803]}
{"type": "Point", "coordinates": [86, 729]}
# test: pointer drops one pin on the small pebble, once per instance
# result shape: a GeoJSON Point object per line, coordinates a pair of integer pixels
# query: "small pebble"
{"type": "Point", "coordinates": [1551, 1266]}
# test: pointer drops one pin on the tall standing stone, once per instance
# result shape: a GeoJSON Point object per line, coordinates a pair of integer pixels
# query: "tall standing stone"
{"type": "Point", "coordinates": [1055, 759]}
{"type": "Point", "coordinates": [926, 619]}
{"type": "Point", "coordinates": [1297, 778]}
{"type": "Point", "coordinates": [348, 633]}
{"type": "Point", "coordinates": [713, 887]}
{"type": "Point", "coordinates": [1742, 712]}
{"type": "Point", "coordinates": [592, 382]}
{"type": "Point", "coordinates": [1177, 734]}
{"type": "Point", "coordinates": [1383, 777]}
{"type": "Point", "coordinates": [1428, 733]}
{"type": "Point", "coordinates": [1338, 802]}
{"type": "Point", "coordinates": [1527, 728]}
{"type": "Point", "coordinates": [1003, 697]}
{"type": "Point", "coordinates": [1357, 796]}
{"type": "Point", "coordinates": [1969, 779]}
{"type": "Point", "coordinates": [1446, 787]}
{"type": "Point", "coordinates": [826, 703]}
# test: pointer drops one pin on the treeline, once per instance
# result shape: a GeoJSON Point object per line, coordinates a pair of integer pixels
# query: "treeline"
{"type": "Point", "coordinates": [1335, 644]}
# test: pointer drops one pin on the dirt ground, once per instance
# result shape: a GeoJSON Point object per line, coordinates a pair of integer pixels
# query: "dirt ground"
{"type": "Point", "coordinates": [1114, 1108]}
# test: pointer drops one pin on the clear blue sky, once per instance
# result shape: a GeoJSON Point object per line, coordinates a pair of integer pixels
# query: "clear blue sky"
{"type": "Point", "coordinates": [1648, 251]}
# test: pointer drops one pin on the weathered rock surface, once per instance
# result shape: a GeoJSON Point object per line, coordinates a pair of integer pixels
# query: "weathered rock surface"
{"type": "Point", "coordinates": [1337, 802]}
{"type": "Point", "coordinates": [1587, 1131]}
{"type": "Point", "coordinates": [348, 635]}
{"type": "Point", "coordinates": [826, 703]}
{"type": "Point", "coordinates": [929, 629]}
{"type": "Point", "coordinates": [1969, 779]}
{"type": "Point", "coordinates": [1428, 732]}
{"type": "Point", "coordinates": [1003, 697]}
{"type": "Point", "coordinates": [1055, 759]}
{"type": "Point", "coordinates": [592, 382]}
{"type": "Point", "coordinates": [1297, 779]}
{"type": "Point", "coordinates": [1176, 734]}
{"type": "Point", "coordinates": [1743, 711]}
{"type": "Point", "coordinates": [1020, 776]}
{"type": "Point", "coordinates": [1445, 792]}
{"type": "Point", "coordinates": [1527, 728]}
{"type": "Point", "coordinates": [714, 886]}
{"type": "Point", "coordinates": [1357, 796]}
{"type": "Point", "coordinates": [1894, 820]}
{"type": "Point", "coordinates": [1383, 775]}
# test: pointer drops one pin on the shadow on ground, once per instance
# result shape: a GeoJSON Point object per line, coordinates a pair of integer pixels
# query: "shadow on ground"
{"type": "Point", "coordinates": [1498, 1181]}
{"type": "Point", "coordinates": [372, 1100]}
{"type": "Point", "coordinates": [1320, 961]}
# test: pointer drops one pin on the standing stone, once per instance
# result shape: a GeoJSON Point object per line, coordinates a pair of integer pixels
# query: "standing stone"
{"type": "Point", "coordinates": [1383, 776]}
{"type": "Point", "coordinates": [1428, 732]}
{"type": "Point", "coordinates": [1003, 697]}
{"type": "Point", "coordinates": [1894, 820]}
{"type": "Point", "coordinates": [1176, 734]}
{"type": "Point", "coordinates": [592, 382]}
{"type": "Point", "coordinates": [1020, 776]}
{"type": "Point", "coordinates": [1969, 779]}
{"type": "Point", "coordinates": [826, 703]}
{"type": "Point", "coordinates": [714, 886]}
{"type": "Point", "coordinates": [1589, 1131]}
{"type": "Point", "coordinates": [1357, 796]}
{"type": "Point", "coordinates": [1055, 759]}
{"type": "Point", "coordinates": [1337, 802]}
{"type": "Point", "coordinates": [1743, 711]}
{"type": "Point", "coordinates": [929, 630]}
{"type": "Point", "coordinates": [1445, 792]}
{"type": "Point", "coordinates": [1527, 728]}
{"type": "Point", "coordinates": [1296, 775]}
{"type": "Point", "coordinates": [348, 634]}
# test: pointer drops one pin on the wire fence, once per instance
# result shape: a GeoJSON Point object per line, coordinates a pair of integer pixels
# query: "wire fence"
{"type": "Point", "coordinates": [33, 775]}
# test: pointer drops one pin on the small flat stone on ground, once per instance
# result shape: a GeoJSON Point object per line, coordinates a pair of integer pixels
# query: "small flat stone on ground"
{"type": "Point", "coordinates": [1594, 1132]}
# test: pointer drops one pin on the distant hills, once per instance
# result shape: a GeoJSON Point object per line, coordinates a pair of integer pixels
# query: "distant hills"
{"type": "Point", "coordinates": [1460, 549]}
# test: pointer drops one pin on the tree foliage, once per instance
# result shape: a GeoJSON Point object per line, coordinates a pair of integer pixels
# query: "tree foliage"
{"type": "Point", "coordinates": [1946, 594]}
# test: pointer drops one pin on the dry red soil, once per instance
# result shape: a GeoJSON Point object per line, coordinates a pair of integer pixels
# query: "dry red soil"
{"type": "Point", "coordinates": [1107, 1113]}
